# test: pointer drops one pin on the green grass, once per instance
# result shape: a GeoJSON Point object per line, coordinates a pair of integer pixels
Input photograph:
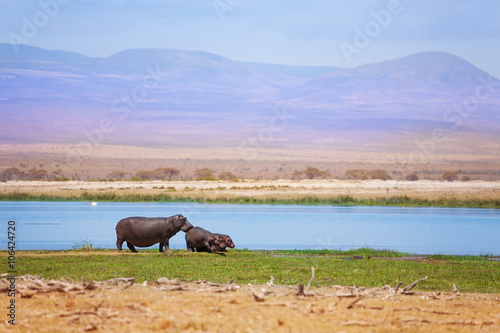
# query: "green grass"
{"type": "Point", "coordinates": [85, 245]}
{"type": "Point", "coordinates": [340, 200]}
{"type": "Point", "coordinates": [470, 274]}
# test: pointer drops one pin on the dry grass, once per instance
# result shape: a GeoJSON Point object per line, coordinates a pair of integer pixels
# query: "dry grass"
{"type": "Point", "coordinates": [264, 189]}
{"type": "Point", "coordinates": [194, 307]}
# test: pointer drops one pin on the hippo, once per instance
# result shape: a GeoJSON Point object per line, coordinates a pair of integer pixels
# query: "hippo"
{"type": "Point", "coordinates": [146, 231]}
{"type": "Point", "coordinates": [203, 240]}
{"type": "Point", "coordinates": [200, 239]}
{"type": "Point", "coordinates": [224, 241]}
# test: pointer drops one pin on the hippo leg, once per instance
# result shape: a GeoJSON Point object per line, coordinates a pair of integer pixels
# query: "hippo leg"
{"type": "Point", "coordinates": [209, 247]}
{"type": "Point", "coordinates": [166, 245]}
{"type": "Point", "coordinates": [161, 247]}
{"type": "Point", "coordinates": [119, 243]}
{"type": "Point", "coordinates": [131, 247]}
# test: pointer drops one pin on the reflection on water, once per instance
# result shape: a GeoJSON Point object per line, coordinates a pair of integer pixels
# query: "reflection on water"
{"type": "Point", "coordinates": [62, 225]}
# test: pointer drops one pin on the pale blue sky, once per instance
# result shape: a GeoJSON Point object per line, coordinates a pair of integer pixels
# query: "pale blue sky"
{"type": "Point", "coordinates": [294, 32]}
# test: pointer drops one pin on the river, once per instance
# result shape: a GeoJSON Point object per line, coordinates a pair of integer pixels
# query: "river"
{"type": "Point", "coordinates": [456, 231]}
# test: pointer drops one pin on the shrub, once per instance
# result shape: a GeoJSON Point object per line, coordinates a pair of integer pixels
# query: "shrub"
{"type": "Point", "coordinates": [311, 173]}
{"type": "Point", "coordinates": [85, 245]}
{"type": "Point", "coordinates": [37, 174]}
{"type": "Point", "coordinates": [117, 174]}
{"type": "Point", "coordinates": [157, 174]}
{"type": "Point", "coordinates": [465, 178]}
{"type": "Point", "coordinates": [359, 174]}
{"type": "Point", "coordinates": [380, 174]}
{"type": "Point", "coordinates": [12, 174]}
{"type": "Point", "coordinates": [226, 175]}
{"type": "Point", "coordinates": [204, 173]}
{"type": "Point", "coordinates": [206, 178]}
{"type": "Point", "coordinates": [412, 177]}
{"type": "Point", "coordinates": [356, 174]}
{"type": "Point", "coordinates": [450, 175]}
{"type": "Point", "coordinates": [61, 179]}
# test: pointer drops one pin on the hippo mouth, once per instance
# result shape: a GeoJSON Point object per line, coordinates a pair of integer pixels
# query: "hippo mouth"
{"type": "Point", "coordinates": [187, 227]}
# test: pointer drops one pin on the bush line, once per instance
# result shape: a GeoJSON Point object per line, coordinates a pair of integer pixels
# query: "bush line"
{"type": "Point", "coordinates": [340, 200]}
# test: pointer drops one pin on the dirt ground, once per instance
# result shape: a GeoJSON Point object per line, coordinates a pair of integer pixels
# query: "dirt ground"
{"type": "Point", "coordinates": [120, 305]}
{"type": "Point", "coordinates": [266, 188]}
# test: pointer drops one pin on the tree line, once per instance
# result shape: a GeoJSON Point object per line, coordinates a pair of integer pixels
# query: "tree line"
{"type": "Point", "coordinates": [14, 173]}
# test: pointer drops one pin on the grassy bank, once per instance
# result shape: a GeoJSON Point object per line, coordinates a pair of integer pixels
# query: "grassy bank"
{"type": "Point", "coordinates": [347, 200]}
{"type": "Point", "coordinates": [469, 274]}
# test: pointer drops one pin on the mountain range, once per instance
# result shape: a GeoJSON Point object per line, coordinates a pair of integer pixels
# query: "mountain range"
{"type": "Point", "coordinates": [176, 97]}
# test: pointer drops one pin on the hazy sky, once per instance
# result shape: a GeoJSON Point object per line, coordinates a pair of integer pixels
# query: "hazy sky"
{"type": "Point", "coordinates": [341, 33]}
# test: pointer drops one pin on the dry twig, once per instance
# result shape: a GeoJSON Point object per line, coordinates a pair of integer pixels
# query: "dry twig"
{"type": "Point", "coordinates": [354, 302]}
{"type": "Point", "coordinates": [300, 292]}
{"type": "Point", "coordinates": [257, 298]}
{"type": "Point", "coordinates": [312, 277]}
{"type": "Point", "coordinates": [412, 285]}
{"type": "Point", "coordinates": [397, 287]}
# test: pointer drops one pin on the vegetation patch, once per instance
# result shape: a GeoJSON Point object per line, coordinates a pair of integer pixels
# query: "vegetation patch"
{"type": "Point", "coordinates": [360, 267]}
{"type": "Point", "coordinates": [338, 200]}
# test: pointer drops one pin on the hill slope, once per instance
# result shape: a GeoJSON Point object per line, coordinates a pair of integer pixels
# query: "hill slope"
{"type": "Point", "coordinates": [175, 97]}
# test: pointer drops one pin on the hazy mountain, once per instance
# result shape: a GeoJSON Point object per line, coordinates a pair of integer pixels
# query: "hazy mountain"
{"type": "Point", "coordinates": [162, 96]}
{"type": "Point", "coordinates": [395, 94]}
{"type": "Point", "coordinates": [417, 81]}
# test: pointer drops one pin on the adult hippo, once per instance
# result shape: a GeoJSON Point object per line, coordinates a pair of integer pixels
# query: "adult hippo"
{"type": "Point", "coordinates": [200, 239]}
{"type": "Point", "coordinates": [146, 231]}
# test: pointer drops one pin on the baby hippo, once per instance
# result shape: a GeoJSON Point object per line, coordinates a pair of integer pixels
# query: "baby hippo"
{"type": "Point", "coordinates": [203, 240]}
{"type": "Point", "coordinates": [199, 238]}
{"type": "Point", "coordinates": [224, 241]}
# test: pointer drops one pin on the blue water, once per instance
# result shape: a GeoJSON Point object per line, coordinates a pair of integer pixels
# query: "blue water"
{"type": "Point", "coordinates": [62, 225]}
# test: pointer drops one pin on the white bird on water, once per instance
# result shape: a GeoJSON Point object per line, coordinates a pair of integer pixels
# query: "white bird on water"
{"type": "Point", "coordinates": [93, 203]}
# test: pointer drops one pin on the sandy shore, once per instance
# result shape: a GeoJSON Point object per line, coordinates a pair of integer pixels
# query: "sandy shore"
{"type": "Point", "coordinates": [266, 188]}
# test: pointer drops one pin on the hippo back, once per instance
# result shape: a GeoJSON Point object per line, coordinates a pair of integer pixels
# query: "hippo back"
{"type": "Point", "coordinates": [146, 231]}
{"type": "Point", "coordinates": [198, 237]}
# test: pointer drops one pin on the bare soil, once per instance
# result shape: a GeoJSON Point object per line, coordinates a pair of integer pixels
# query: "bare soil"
{"type": "Point", "coordinates": [119, 305]}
